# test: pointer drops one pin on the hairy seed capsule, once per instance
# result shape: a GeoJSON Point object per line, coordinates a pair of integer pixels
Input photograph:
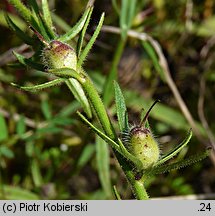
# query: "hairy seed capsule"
{"type": "Point", "coordinates": [59, 55]}
{"type": "Point", "coordinates": [144, 146]}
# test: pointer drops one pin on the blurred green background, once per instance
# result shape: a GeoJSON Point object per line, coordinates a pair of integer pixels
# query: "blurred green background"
{"type": "Point", "coordinates": [46, 152]}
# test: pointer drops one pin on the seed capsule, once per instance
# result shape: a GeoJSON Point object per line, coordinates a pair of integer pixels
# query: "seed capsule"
{"type": "Point", "coordinates": [142, 143]}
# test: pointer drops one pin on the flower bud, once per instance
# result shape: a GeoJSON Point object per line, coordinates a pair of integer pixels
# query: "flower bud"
{"type": "Point", "coordinates": [59, 55]}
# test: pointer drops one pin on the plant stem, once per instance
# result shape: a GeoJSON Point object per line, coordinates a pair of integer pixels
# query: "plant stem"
{"type": "Point", "coordinates": [137, 186]}
{"type": "Point", "coordinates": [97, 104]}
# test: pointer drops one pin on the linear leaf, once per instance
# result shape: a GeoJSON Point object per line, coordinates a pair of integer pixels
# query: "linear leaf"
{"type": "Point", "coordinates": [99, 133]}
{"type": "Point", "coordinates": [28, 62]}
{"type": "Point", "coordinates": [36, 174]}
{"type": "Point", "coordinates": [91, 42]}
{"type": "Point", "coordinates": [120, 108]}
{"type": "Point", "coordinates": [21, 34]}
{"type": "Point", "coordinates": [176, 150]}
{"type": "Point", "coordinates": [103, 165]}
{"type": "Point", "coordinates": [47, 14]}
{"type": "Point", "coordinates": [17, 193]}
{"type": "Point", "coordinates": [76, 29]}
{"type": "Point", "coordinates": [3, 129]}
{"type": "Point", "coordinates": [83, 32]}
{"type": "Point", "coordinates": [41, 86]}
{"type": "Point", "coordinates": [180, 164]}
{"type": "Point", "coordinates": [78, 92]}
{"type": "Point", "coordinates": [46, 109]}
{"type": "Point", "coordinates": [20, 126]}
{"type": "Point", "coordinates": [23, 10]}
{"type": "Point", "coordinates": [6, 152]}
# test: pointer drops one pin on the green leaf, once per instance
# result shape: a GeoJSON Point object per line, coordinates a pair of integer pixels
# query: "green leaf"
{"type": "Point", "coordinates": [99, 133]}
{"type": "Point", "coordinates": [127, 13]}
{"type": "Point", "coordinates": [83, 32]}
{"type": "Point", "coordinates": [36, 174]}
{"type": "Point", "coordinates": [103, 164]}
{"type": "Point", "coordinates": [6, 152]}
{"type": "Point", "coordinates": [40, 86]}
{"type": "Point", "coordinates": [91, 42]}
{"type": "Point", "coordinates": [180, 164]}
{"type": "Point", "coordinates": [175, 151]}
{"type": "Point", "coordinates": [46, 109]}
{"type": "Point", "coordinates": [16, 193]}
{"type": "Point", "coordinates": [23, 10]}
{"type": "Point", "coordinates": [3, 129]}
{"type": "Point", "coordinates": [69, 109]}
{"type": "Point", "coordinates": [76, 29]}
{"type": "Point", "coordinates": [120, 108]}
{"type": "Point", "coordinates": [59, 22]}
{"type": "Point", "coordinates": [20, 126]}
{"type": "Point", "coordinates": [152, 54]}
{"type": "Point", "coordinates": [78, 92]}
{"type": "Point", "coordinates": [85, 156]}
{"type": "Point", "coordinates": [116, 193]}
{"type": "Point", "coordinates": [28, 62]}
{"type": "Point", "coordinates": [47, 14]}
{"type": "Point", "coordinates": [21, 34]}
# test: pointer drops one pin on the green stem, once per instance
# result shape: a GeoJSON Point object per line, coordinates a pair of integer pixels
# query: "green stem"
{"type": "Point", "coordinates": [137, 186]}
{"type": "Point", "coordinates": [98, 106]}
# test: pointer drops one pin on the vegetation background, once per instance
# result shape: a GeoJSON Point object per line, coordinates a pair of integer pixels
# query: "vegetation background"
{"type": "Point", "coordinates": [46, 152]}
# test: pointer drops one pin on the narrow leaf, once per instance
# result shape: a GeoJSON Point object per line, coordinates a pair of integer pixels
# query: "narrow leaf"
{"type": "Point", "coordinates": [83, 32]}
{"type": "Point", "coordinates": [91, 42]}
{"type": "Point", "coordinates": [175, 151]}
{"type": "Point", "coordinates": [103, 165]}
{"type": "Point", "coordinates": [76, 29]}
{"type": "Point", "coordinates": [180, 164]}
{"type": "Point", "coordinates": [20, 126]}
{"type": "Point", "coordinates": [17, 193]}
{"type": "Point", "coordinates": [6, 152]}
{"type": "Point", "coordinates": [120, 108]}
{"type": "Point", "coordinates": [99, 133]}
{"type": "Point", "coordinates": [21, 34]}
{"type": "Point", "coordinates": [116, 193]}
{"type": "Point", "coordinates": [3, 129]}
{"type": "Point", "coordinates": [45, 107]}
{"type": "Point", "coordinates": [23, 10]}
{"type": "Point", "coordinates": [47, 14]}
{"type": "Point", "coordinates": [152, 54]}
{"type": "Point", "coordinates": [40, 86]}
{"type": "Point", "coordinates": [28, 62]}
{"type": "Point", "coordinates": [76, 88]}
{"type": "Point", "coordinates": [85, 156]}
{"type": "Point", "coordinates": [36, 174]}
